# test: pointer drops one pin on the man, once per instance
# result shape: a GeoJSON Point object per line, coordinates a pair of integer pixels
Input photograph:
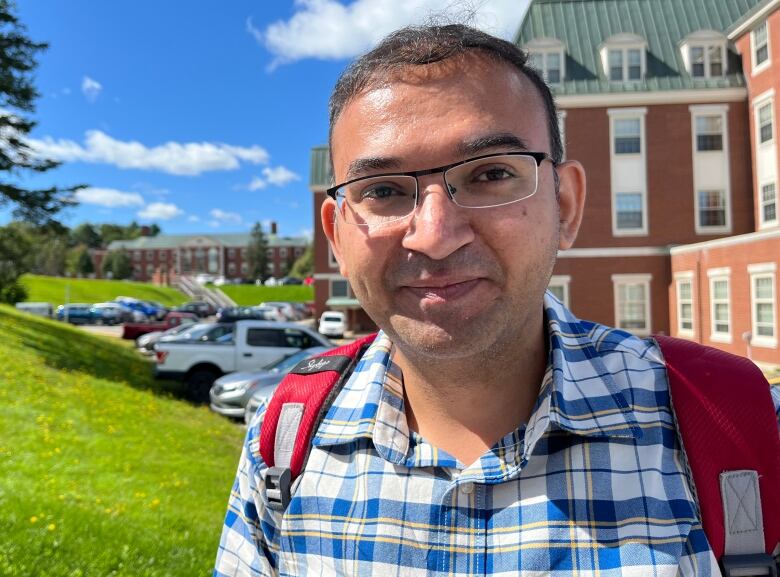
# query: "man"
{"type": "Point", "coordinates": [486, 430]}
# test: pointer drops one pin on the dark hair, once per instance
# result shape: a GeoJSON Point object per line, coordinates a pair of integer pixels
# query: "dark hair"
{"type": "Point", "coordinates": [421, 45]}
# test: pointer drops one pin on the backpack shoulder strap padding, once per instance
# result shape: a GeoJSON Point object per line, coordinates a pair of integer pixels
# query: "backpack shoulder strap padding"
{"type": "Point", "coordinates": [308, 390]}
{"type": "Point", "coordinates": [726, 419]}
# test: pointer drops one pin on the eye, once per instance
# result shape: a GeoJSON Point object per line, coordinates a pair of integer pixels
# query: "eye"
{"type": "Point", "coordinates": [381, 191]}
{"type": "Point", "coordinates": [493, 173]}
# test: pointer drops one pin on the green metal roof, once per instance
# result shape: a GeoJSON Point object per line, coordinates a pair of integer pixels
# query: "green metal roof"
{"type": "Point", "coordinates": [584, 25]}
{"type": "Point", "coordinates": [749, 14]}
{"type": "Point", "coordinates": [342, 302]}
{"type": "Point", "coordinates": [238, 240]}
{"type": "Point", "coordinates": [320, 168]}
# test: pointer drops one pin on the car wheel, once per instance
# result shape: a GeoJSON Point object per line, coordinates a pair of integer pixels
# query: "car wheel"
{"type": "Point", "coordinates": [199, 384]}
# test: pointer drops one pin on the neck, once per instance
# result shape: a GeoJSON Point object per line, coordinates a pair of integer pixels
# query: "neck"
{"type": "Point", "coordinates": [466, 405]}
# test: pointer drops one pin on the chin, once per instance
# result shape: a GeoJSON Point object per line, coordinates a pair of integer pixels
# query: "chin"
{"type": "Point", "coordinates": [442, 340]}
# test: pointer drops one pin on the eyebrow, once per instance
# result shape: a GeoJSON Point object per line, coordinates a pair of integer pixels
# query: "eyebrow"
{"type": "Point", "coordinates": [467, 148]}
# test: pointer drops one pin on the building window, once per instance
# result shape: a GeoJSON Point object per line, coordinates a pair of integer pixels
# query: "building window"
{"type": "Point", "coordinates": [231, 268]}
{"type": "Point", "coordinates": [685, 304]}
{"type": "Point", "coordinates": [137, 255]}
{"type": "Point", "coordinates": [709, 132]}
{"type": "Point", "coordinates": [762, 298]}
{"type": "Point", "coordinates": [625, 64]}
{"type": "Point", "coordinates": [149, 270]}
{"type": "Point", "coordinates": [632, 302]}
{"type": "Point", "coordinates": [765, 123]}
{"type": "Point", "coordinates": [269, 253]}
{"type": "Point", "coordinates": [231, 253]}
{"type": "Point", "coordinates": [549, 64]}
{"type": "Point", "coordinates": [712, 208]}
{"type": "Point", "coordinates": [760, 40]}
{"type": "Point", "coordinates": [149, 255]}
{"type": "Point", "coordinates": [628, 211]}
{"type": "Point", "coordinates": [769, 203]}
{"type": "Point", "coordinates": [628, 135]}
{"type": "Point", "coordinates": [244, 267]}
{"type": "Point", "coordinates": [282, 252]}
{"type": "Point", "coordinates": [720, 305]}
{"type": "Point", "coordinates": [562, 132]}
{"type": "Point", "coordinates": [706, 61]}
{"type": "Point", "coordinates": [559, 286]}
{"type": "Point", "coordinates": [298, 251]}
{"type": "Point", "coordinates": [339, 288]}
{"type": "Point", "coordinates": [332, 262]}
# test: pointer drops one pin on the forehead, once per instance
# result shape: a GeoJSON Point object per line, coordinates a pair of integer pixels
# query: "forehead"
{"type": "Point", "coordinates": [424, 114]}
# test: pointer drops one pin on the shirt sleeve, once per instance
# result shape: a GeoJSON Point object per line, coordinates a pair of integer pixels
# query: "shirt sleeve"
{"type": "Point", "coordinates": [244, 548]}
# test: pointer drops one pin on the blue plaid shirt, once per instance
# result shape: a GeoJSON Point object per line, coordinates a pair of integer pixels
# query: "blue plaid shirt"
{"type": "Point", "coordinates": [594, 484]}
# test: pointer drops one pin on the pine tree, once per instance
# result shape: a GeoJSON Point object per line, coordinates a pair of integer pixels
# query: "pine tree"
{"type": "Point", "coordinates": [257, 253]}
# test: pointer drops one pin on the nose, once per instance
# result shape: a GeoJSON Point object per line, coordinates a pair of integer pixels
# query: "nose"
{"type": "Point", "coordinates": [438, 227]}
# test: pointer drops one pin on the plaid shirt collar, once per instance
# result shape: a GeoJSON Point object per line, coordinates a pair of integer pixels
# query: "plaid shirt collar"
{"type": "Point", "coordinates": [371, 404]}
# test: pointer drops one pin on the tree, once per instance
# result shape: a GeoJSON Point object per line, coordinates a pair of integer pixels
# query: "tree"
{"type": "Point", "coordinates": [14, 262]}
{"type": "Point", "coordinates": [17, 101]}
{"type": "Point", "coordinates": [117, 265]}
{"type": "Point", "coordinates": [86, 234]}
{"type": "Point", "coordinates": [79, 262]}
{"type": "Point", "coordinates": [257, 253]}
{"type": "Point", "coordinates": [304, 266]}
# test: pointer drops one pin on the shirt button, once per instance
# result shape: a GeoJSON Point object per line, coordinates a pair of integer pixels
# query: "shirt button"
{"type": "Point", "coordinates": [467, 488]}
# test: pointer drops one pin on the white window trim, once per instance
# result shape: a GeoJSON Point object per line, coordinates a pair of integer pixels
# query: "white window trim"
{"type": "Point", "coordinates": [755, 271]}
{"type": "Point", "coordinates": [760, 101]}
{"type": "Point", "coordinates": [332, 262]}
{"type": "Point", "coordinates": [621, 113]}
{"type": "Point", "coordinates": [646, 279]}
{"type": "Point", "coordinates": [562, 281]}
{"type": "Point", "coordinates": [715, 275]}
{"type": "Point", "coordinates": [679, 278]}
{"type": "Point", "coordinates": [624, 43]}
{"type": "Point", "coordinates": [562, 132]}
{"type": "Point", "coordinates": [545, 46]}
{"type": "Point", "coordinates": [766, 63]}
{"type": "Point", "coordinates": [767, 223]}
{"type": "Point", "coordinates": [712, 110]}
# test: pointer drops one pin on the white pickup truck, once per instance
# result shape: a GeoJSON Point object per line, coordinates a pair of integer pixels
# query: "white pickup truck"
{"type": "Point", "coordinates": [254, 344]}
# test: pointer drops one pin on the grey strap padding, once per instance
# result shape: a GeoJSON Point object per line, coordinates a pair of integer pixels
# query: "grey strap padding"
{"type": "Point", "coordinates": [286, 433]}
{"type": "Point", "coordinates": [742, 515]}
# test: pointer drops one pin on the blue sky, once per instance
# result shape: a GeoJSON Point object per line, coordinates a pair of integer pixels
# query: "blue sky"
{"type": "Point", "coordinates": [200, 116]}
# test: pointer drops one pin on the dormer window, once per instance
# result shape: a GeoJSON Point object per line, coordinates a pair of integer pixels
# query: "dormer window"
{"type": "Point", "coordinates": [704, 54]}
{"type": "Point", "coordinates": [547, 55]}
{"type": "Point", "coordinates": [623, 58]}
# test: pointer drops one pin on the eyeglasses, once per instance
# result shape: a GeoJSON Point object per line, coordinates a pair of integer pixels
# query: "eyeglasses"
{"type": "Point", "coordinates": [481, 182]}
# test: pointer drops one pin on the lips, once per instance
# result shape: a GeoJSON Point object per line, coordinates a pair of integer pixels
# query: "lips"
{"type": "Point", "coordinates": [442, 290]}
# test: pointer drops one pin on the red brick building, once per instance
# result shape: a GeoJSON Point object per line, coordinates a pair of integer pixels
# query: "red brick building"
{"type": "Point", "coordinates": [163, 258]}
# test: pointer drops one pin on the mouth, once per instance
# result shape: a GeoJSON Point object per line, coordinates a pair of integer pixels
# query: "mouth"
{"type": "Point", "coordinates": [434, 291]}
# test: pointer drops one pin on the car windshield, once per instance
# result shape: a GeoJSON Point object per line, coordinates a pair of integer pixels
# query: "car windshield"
{"type": "Point", "coordinates": [185, 325]}
{"type": "Point", "coordinates": [194, 332]}
{"type": "Point", "coordinates": [332, 318]}
{"type": "Point", "coordinates": [288, 362]}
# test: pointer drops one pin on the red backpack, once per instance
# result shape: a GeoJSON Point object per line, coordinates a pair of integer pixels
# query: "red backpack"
{"type": "Point", "coordinates": [726, 424]}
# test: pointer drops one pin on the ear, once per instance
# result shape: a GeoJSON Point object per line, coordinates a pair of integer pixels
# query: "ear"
{"type": "Point", "coordinates": [571, 201]}
{"type": "Point", "coordinates": [328, 212]}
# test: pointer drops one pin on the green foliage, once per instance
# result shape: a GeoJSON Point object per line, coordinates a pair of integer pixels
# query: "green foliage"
{"type": "Point", "coordinates": [14, 255]}
{"type": "Point", "coordinates": [12, 293]}
{"type": "Point", "coordinates": [304, 266]}
{"type": "Point", "coordinates": [117, 265]}
{"type": "Point", "coordinates": [250, 295]}
{"type": "Point", "coordinates": [17, 99]}
{"type": "Point", "coordinates": [104, 473]}
{"type": "Point", "coordinates": [53, 289]}
{"type": "Point", "coordinates": [87, 235]}
{"type": "Point", "coordinates": [257, 253]}
{"type": "Point", "coordinates": [79, 262]}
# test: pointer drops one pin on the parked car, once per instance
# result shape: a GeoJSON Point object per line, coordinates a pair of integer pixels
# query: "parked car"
{"type": "Point", "coordinates": [230, 393]}
{"type": "Point", "coordinates": [200, 308]}
{"type": "Point", "coordinates": [78, 314]}
{"type": "Point", "coordinates": [149, 311]}
{"type": "Point", "coordinates": [233, 314]}
{"type": "Point", "coordinates": [173, 319]}
{"type": "Point", "coordinates": [202, 333]}
{"type": "Point", "coordinates": [288, 312]}
{"type": "Point", "coordinates": [253, 344]}
{"type": "Point", "coordinates": [290, 280]}
{"type": "Point", "coordinates": [333, 324]}
{"type": "Point", "coordinates": [145, 343]}
{"type": "Point", "coordinates": [38, 309]}
{"type": "Point", "coordinates": [113, 313]}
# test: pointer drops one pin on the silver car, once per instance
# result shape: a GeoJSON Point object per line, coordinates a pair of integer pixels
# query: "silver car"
{"type": "Point", "coordinates": [229, 394]}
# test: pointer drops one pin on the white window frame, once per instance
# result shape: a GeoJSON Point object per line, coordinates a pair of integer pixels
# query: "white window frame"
{"type": "Point", "coordinates": [685, 277]}
{"type": "Point", "coordinates": [722, 111]}
{"type": "Point", "coordinates": [758, 68]}
{"type": "Point", "coordinates": [720, 275]}
{"type": "Point", "coordinates": [762, 222]}
{"type": "Point", "coordinates": [562, 132]}
{"type": "Point", "coordinates": [543, 47]}
{"type": "Point", "coordinates": [706, 47]}
{"type": "Point", "coordinates": [758, 271]}
{"type": "Point", "coordinates": [623, 114]}
{"type": "Point", "coordinates": [562, 281]}
{"type": "Point", "coordinates": [758, 104]}
{"type": "Point", "coordinates": [624, 43]}
{"type": "Point", "coordinates": [332, 262]}
{"type": "Point", "coordinates": [283, 252]}
{"type": "Point", "coordinates": [629, 279]}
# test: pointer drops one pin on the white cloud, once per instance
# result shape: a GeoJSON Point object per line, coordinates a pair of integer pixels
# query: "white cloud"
{"type": "Point", "coordinates": [91, 88]}
{"type": "Point", "coordinates": [257, 183]}
{"type": "Point", "coordinates": [279, 175]}
{"type": "Point", "coordinates": [108, 197]}
{"type": "Point", "coordinates": [306, 233]}
{"type": "Point", "coordinates": [328, 29]}
{"type": "Point", "coordinates": [189, 158]}
{"type": "Point", "coordinates": [226, 217]}
{"type": "Point", "coordinates": [214, 223]}
{"type": "Point", "coordinates": [193, 218]}
{"type": "Point", "coordinates": [160, 211]}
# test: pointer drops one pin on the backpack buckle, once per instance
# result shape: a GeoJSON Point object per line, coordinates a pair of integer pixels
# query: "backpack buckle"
{"type": "Point", "coordinates": [277, 487]}
{"type": "Point", "coordinates": [748, 565]}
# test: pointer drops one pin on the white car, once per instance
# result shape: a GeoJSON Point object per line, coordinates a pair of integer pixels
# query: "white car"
{"type": "Point", "coordinates": [333, 324]}
{"type": "Point", "coordinates": [286, 309]}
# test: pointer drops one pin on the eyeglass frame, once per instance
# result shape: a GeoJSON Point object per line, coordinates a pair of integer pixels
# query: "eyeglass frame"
{"type": "Point", "coordinates": [539, 157]}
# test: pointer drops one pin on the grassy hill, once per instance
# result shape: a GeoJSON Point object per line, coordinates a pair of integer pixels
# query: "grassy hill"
{"type": "Point", "coordinates": [103, 472]}
{"type": "Point", "coordinates": [250, 295]}
{"type": "Point", "coordinates": [53, 289]}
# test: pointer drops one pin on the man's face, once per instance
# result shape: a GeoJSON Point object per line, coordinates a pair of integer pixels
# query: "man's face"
{"type": "Point", "coordinates": [449, 281]}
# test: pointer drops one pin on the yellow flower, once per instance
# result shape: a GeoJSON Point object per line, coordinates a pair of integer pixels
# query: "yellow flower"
{"type": "Point", "coordinates": [33, 519]}
{"type": "Point", "coordinates": [51, 526]}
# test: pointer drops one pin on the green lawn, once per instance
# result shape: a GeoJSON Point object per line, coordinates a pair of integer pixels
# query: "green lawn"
{"type": "Point", "coordinates": [52, 289]}
{"type": "Point", "coordinates": [102, 471]}
{"type": "Point", "coordinates": [250, 295]}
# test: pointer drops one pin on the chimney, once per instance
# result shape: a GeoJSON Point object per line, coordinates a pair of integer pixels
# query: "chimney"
{"type": "Point", "coordinates": [146, 230]}
{"type": "Point", "coordinates": [273, 228]}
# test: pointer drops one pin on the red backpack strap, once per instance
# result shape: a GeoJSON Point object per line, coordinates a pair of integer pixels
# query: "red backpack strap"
{"type": "Point", "coordinates": [726, 419]}
{"type": "Point", "coordinates": [296, 410]}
